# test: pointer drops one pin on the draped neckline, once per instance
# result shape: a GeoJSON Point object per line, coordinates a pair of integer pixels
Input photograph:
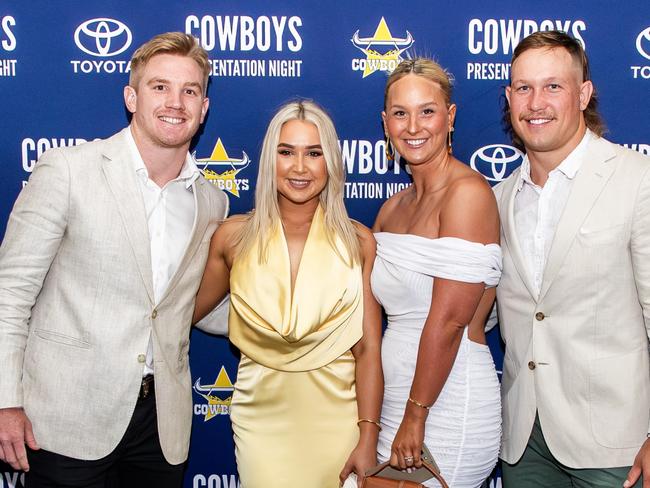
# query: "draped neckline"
{"type": "Point", "coordinates": [449, 239]}
{"type": "Point", "coordinates": [443, 257]}
{"type": "Point", "coordinates": [304, 326]}
{"type": "Point", "coordinates": [285, 242]}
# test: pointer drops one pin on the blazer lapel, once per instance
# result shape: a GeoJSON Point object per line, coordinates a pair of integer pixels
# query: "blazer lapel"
{"type": "Point", "coordinates": [201, 221]}
{"type": "Point", "coordinates": [510, 233]}
{"type": "Point", "coordinates": [121, 179]}
{"type": "Point", "coordinates": [589, 183]}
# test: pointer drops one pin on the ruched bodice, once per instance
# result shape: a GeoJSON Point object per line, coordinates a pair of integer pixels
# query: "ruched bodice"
{"type": "Point", "coordinates": [463, 428]}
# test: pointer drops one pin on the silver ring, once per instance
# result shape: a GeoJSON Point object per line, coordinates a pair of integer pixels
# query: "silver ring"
{"type": "Point", "coordinates": [408, 459]}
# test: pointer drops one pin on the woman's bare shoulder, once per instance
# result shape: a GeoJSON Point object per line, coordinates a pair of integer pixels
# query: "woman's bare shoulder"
{"type": "Point", "coordinates": [230, 228]}
{"type": "Point", "coordinates": [389, 207]}
{"type": "Point", "coordinates": [367, 242]}
{"type": "Point", "coordinates": [470, 209]}
{"type": "Point", "coordinates": [471, 187]}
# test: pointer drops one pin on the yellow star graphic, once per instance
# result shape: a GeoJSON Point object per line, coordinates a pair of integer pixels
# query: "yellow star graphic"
{"type": "Point", "coordinates": [218, 405]}
{"type": "Point", "coordinates": [220, 155]}
{"type": "Point", "coordinates": [376, 61]}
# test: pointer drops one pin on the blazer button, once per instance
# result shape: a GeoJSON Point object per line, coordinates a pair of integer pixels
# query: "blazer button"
{"type": "Point", "coordinates": [539, 316]}
{"type": "Point", "coordinates": [531, 365]}
{"type": "Point", "coordinates": [154, 314]}
{"type": "Point", "coordinates": [142, 358]}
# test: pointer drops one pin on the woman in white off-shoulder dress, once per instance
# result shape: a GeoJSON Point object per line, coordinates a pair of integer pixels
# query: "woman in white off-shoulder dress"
{"type": "Point", "coordinates": [438, 260]}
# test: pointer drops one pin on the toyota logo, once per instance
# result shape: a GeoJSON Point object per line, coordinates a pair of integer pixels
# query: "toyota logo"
{"type": "Point", "coordinates": [103, 37]}
{"type": "Point", "coordinates": [644, 35]}
{"type": "Point", "coordinates": [496, 161]}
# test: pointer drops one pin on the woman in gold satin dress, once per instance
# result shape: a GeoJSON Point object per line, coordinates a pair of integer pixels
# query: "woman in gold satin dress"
{"type": "Point", "coordinates": [307, 399]}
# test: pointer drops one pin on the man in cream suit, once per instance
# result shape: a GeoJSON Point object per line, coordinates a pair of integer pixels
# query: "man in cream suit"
{"type": "Point", "coordinates": [99, 267]}
{"type": "Point", "coordinates": [574, 297]}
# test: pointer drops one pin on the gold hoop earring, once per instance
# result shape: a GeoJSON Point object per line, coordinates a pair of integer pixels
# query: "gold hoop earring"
{"type": "Point", "coordinates": [389, 149]}
{"type": "Point", "coordinates": [451, 129]}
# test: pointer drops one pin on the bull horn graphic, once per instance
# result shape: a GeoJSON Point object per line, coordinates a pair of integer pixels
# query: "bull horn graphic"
{"type": "Point", "coordinates": [364, 42]}
{"type": "Point", "coordinates": [199, 388]}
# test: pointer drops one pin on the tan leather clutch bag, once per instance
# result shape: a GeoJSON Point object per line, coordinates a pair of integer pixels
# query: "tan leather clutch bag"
{"type": "Point", "coordinates": [385, 476]}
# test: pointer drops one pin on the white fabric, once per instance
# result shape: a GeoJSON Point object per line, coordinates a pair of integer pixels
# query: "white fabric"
{"type": "Point", "coordinates": [538, 208]}
{"type": "Point", "coordinates": [351, 481]}
{"type": "Point", "coordinates": [463, 429]}
{"type": "Point", "coordinates": [170, 212]}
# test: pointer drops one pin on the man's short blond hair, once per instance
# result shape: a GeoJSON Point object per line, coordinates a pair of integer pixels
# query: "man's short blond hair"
{"type": "Point", "coordinates": [177, 43]}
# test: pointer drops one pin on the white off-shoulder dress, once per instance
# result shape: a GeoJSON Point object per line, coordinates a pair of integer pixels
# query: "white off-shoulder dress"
{"type": "Point", "coordinates": [463, 429]}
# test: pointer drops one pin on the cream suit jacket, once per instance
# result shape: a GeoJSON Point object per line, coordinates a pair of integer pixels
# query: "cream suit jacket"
{"type": "Point", "coordinates": [77, 306]}
{"type": "Point", "coordinates": [578, 352]}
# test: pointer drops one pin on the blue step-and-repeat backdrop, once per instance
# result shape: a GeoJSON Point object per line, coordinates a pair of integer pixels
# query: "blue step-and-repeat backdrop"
{"type": "Point", "coordinates": [63, 66]}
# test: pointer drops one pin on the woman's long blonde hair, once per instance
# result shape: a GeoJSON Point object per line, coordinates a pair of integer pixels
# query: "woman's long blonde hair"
{"type": "Point", "coordinates": [265, 218]}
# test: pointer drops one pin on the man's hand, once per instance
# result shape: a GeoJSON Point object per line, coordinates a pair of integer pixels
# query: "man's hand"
{"type": "Point", "coordinates": [15, 432]}
{"type": "Point", "coordinates": [640, 467]}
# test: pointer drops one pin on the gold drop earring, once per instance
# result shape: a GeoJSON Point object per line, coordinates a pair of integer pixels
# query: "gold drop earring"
{"type": "Point", "coordinates": [389, 149]}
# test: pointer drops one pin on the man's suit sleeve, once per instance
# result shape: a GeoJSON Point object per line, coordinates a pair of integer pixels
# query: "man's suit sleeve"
{"type": "Point", "coordinates": [34, 232]}
{"type": "Point", "coordinates": [226, 205]}
{"type": "Point", "coordinates": [640, 248]}
{"type": "Point", "coordinates": [216, 322]}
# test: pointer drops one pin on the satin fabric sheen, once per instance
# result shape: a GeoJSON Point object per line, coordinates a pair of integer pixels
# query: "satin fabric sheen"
{"type": "Point", "coordinates": [294, 407]}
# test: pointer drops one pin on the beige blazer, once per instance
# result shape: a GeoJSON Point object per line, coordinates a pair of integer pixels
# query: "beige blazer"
{"type": "Point", "coordinates": [77, 306]}
{"type": "Point", "coordinates": [578, 353]}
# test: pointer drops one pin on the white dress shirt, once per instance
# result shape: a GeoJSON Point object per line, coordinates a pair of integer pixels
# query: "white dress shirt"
{"type": "Point", "coordinates": [170, 211]}
{"type": "Point", "coordinates": [538, 209]}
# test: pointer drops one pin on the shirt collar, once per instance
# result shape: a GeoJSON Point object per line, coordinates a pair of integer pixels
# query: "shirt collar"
{"type": "Point", "coordinates": [569, 167]}
{"type": "Point", "coordinates": [189, 172]}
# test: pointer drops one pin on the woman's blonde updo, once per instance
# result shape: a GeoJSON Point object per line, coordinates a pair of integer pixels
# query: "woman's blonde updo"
{"type": "Point", "coordinates": [425, 67]}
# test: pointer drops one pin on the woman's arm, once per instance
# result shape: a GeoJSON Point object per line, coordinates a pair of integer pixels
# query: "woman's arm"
{"type": "Point", "coordinates": [216, 276]}
{"type": "Point", "coordinates": [470, 213]}
{"type": "Point", "coordinates": [368, 374]}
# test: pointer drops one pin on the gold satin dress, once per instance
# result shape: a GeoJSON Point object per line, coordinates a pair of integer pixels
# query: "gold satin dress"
{"type": "Point", "coordinates": [294, 407]}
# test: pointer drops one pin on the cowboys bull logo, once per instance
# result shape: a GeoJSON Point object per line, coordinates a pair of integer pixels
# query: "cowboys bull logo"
{"type": "Point", "coordinates": [383, 51]}
{"type": "Point", "coordinates": [218, 395]}
{"type": "Point", "coordinates": [222, 170]}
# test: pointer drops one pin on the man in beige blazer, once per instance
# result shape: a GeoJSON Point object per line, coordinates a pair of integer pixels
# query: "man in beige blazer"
{"type": "Point", "coordinates": [574, 297]}
{"type": "Point", "coordinates": [99, 268]}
